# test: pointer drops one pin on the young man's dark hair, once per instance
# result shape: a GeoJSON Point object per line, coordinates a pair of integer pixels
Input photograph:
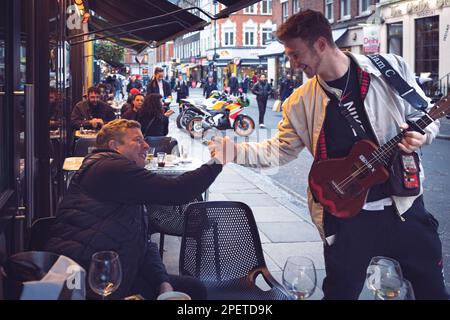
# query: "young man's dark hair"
{"type": "Point", "coordinates": [308, 25]}
{"type": "Point", "coordinates": [93, 89]}
{"type": "Point", "coordinates": [158, 70]}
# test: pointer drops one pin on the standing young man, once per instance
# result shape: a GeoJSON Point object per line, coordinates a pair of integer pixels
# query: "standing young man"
{"type": "Point", "coordinates": [394, 226]}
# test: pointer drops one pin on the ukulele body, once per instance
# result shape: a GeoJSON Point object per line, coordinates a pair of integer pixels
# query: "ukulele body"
{"type": "Point", "coordinates": [337, 186]}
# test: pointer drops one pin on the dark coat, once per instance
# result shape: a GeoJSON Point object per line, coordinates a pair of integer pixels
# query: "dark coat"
{"type": "Point", "coordinates": [154, 88]}
{"type": "Point", "coordinates": [286, 88]}
{"type": "Point", "coordinates": [208, 88]}
{"type": "Point", "coordinates": [102, 210]}
{"type": "Point", "coordinates": [262, 89]}
{"type": "Point", "coordinates": [84, 111]}
{"type": "Point", "coordinates": [182, 90]}
{"type": "Point", "coordinates": [158, 127]}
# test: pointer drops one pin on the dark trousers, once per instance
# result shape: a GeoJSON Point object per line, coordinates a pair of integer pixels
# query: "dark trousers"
{"type": "Point", "coordinates": [262, 104]}
{"type": "Point", "coordinates": [414, 243]}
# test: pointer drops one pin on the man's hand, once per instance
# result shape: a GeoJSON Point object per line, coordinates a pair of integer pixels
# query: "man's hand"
{"type": "Point", "coordinates": [169, 112]}
{"type": "Point", "coordinates": [222, 149]}
{"type": "Point", "coordinates": [165, 287]}
{"type": "Point", "coordinates": [96, 122]}
{"type": "Point", "coordinates": [412, 140]}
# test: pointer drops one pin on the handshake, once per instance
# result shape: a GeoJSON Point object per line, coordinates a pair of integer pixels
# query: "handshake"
{"type": "Point", "coordinates": [222, 150]}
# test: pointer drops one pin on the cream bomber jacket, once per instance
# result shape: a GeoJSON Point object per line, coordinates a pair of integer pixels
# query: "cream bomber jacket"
{"type": "Point", "coordinates": [304, 113]}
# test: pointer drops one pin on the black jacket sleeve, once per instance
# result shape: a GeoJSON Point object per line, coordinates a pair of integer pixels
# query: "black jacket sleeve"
{"type": "Point", "coordinates": [120, 180]}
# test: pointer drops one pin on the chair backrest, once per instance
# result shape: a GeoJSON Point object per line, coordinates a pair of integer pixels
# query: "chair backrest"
{"type": "Point", "coordinates": [168, 145]}
{"type": "Point", "coordinates": [82, 146]}
{"type": "Point", "coordinates": [40, 232]}
{"type": "Point", "coordinates": [220, 242]}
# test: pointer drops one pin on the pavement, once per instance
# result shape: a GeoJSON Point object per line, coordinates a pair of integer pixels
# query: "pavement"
{"type": "Point", "coordinates": [283, 219]}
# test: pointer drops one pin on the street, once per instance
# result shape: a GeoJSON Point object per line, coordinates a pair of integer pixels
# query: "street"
{"type": "Point", "coordinates": [435, 162]}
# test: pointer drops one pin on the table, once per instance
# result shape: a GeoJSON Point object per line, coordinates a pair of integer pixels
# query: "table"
{"type": "Point", "coordinates": [177, 169]}
{"type": "Point", "coordinates": [89, 134]}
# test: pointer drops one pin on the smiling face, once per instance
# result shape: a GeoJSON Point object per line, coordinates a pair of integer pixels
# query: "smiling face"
{"type": "Point", "coordinates": [132, 146]}
{"type": "Point", "coordinates": [302, 56]}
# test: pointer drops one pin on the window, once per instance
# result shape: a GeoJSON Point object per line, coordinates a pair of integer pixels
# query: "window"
{"type": "Point", "coordinates": [329, 9]}
{"type": "Point", "coordinates": [228, 36]}
{"type": "Point", "coordinates": [250, 10]}
{"type": "Point", "coordinates": [266, 34]}
{"type": "Point", "coordinates": [249, 36]}
{"type": "Point", "coordinates": [345, 9]}
{"type": "Point", "coordinates": [284, 11]}
{"type": "Point", "coordinates": [427, 46]}
{"type": "Point", "coordinates": [364, 6]}
{"type": "Point", "coordinates": [295, 6]}
{"type": "Point", "coordinates": [395, 38]}
{"type": "Point", "coordinates": [266, 7]}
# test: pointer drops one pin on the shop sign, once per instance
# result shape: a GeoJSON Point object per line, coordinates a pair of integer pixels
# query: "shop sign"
{"type": "Point", "coordinates": [371, 39]}
{"type": "Point", "coordinates": [237, 61]}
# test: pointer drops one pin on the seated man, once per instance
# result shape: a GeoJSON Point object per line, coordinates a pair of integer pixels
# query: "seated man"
{"type": "Point", "coordinates": [91, 113]}
{"type": "Point", "coordinates": [102, 210]}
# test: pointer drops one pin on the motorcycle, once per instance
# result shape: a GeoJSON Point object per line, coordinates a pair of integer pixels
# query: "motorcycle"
{"type": "Point", "coordinates": [228, 117]}
{"type": "Point", "coordinates": [190, 109]}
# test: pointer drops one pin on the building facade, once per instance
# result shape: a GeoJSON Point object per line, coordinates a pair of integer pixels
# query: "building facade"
{"type": "Point", "coordinates": [419, 31]}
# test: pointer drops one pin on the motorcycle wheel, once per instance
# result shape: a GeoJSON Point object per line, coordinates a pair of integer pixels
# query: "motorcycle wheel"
{"type": "Point", "coordinates": [244, 126]}
{"type": "Point", "coordinates": [179, 121]}
{"type": "Point", "coordinates": [195, 128]}
{"type": "Point", "coordinates": [185, 119]}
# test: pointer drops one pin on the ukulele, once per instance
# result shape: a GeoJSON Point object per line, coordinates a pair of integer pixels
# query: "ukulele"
{"type": "Point", "coordinates": [341, 185]}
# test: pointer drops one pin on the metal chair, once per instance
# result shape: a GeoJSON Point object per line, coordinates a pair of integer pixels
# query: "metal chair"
{"type": "Point", "coordinates": [222, 248]}
{"type": "Point", "coordinates": [83, 146]}
{"type": "Point", "coordinates": [40, 232]}
{"type": "Point", "coordinates": [168, 145]}
{"type": "Point", "coordinates": [167, 220]}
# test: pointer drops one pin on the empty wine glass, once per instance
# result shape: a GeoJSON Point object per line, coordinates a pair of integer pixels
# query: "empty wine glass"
{"type": "Point", "coordinates": [299, 277]}
{"type": "Point", "coordinates": [384, 277]}
{"type": "Point", "coordinates": [105, 273]}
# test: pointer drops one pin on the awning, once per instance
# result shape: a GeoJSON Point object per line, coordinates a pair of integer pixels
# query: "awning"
{"type": "Point", "coordinates": [338, 33]}
{"type": "Point", "coordinates": [138, 36]}
{"type": "Point", "coordinates": [233, 6]}
{"type": "Point", "coordinates": [274, 48]}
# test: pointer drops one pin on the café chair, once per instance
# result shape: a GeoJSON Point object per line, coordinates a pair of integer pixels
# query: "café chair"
{"type": "Point", "coordinates": [83, 146]}
{"type": "Point", "coordinates": [167, 220]}
{"type": "Point", "coordinates": [168, 145]}
{"type": "Point", "coordinates": [221, 247]}
{"type": "Point", "coordinates": [40, 232]}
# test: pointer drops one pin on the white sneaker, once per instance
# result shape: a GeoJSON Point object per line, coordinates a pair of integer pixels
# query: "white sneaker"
{"type": "Point", "coordinates": [262, 126]}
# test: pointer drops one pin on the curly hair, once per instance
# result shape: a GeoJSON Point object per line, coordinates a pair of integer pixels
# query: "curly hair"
{"type": "Point", "coordinates": [307, 25]}
{"type": "Point", "coordinates": [152, 106]}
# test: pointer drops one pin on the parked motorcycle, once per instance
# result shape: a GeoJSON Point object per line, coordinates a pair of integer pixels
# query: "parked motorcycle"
{"type": "Point", "coordinates": [230, 116]}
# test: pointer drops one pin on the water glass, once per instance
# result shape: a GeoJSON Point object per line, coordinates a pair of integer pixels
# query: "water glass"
{"type": "Point", "coordinates": [384, 277]}
{"type": "Point", "coordinates": [161, 156]}
{"type": "Point", "coordinates": [105, 273]}
{"type": "Point", "coordinates": [184, 150]}
{"type": "Point", "coordinates": [299, 277]}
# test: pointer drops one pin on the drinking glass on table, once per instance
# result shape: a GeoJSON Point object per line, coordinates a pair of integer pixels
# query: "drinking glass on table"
{"type": "Point", "coordinates": [299, 277]}
{"type": "Point", "coordinates": [105, 273]}
{"type": "Point", "coordinates": [184, 151]}
{"type": "Point", "coordinates": [161, 159]}
{"type": "Point", "coordinates": [384, 277]}
{"type": "Point", "coordinates": [150, 153]}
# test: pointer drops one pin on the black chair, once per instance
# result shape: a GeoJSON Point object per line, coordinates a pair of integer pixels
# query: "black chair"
{"type": "Point", "coordinates": [222, 248]}
{"type": "Point", "coordinates": [40, 232]}
{"type": "Point", "coordinates": [167, 220]}
{"type": "Point", "coordinates": [168, 145]}
{"type": "Point", "coordinates": [82, 146]}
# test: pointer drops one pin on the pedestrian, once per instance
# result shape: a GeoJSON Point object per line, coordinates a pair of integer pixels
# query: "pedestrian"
{"type": "Point", "coordinates": [341, 86]}
{"type": "Point", "coordinates": [233, 83]}
{"type": "Point", "coordinates": [286, 87]}
{"type": "Point", "coordinates": [262, 89]}
{"type": "Point", "coordinates": [182, 90]}
{"type": "Point", "coordinates": [209, 87]}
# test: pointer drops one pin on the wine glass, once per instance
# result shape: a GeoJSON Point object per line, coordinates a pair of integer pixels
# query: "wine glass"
{"type": "Point", "coordinates": [384, 277]}
{"type": "Point", "coordinates": [299, 277]}
{"type": "Point", "coordinates": [105, 273]}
